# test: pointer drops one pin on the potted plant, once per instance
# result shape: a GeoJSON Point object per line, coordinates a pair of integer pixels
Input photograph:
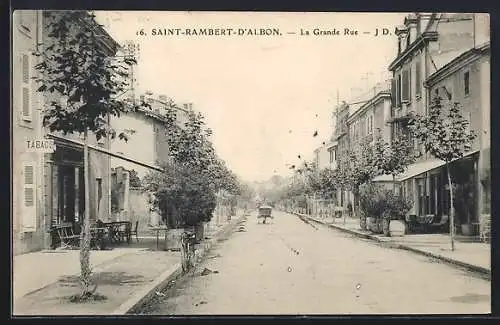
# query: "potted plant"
{"type": "Point", "coordinates": [371, 197]}
{"type": "Point", "coordinates": [396, 208]}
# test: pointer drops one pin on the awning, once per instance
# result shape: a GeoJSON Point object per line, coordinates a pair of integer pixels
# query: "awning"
{"type": "Point", "coordinates": [383, 178]}
{"type": "Point", "coordinates": [79, 145]}
{"type": "Point", "coordinates": [420, 168]}
{"type": "Point", "coordinates": [425, 166]}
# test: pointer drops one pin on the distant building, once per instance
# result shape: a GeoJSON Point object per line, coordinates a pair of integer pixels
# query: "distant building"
{"type": "Point", "coordinates": [322, 157]}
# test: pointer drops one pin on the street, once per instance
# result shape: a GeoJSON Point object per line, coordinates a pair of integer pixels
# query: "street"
{"type": "Point", "coordinates": [292, 267]}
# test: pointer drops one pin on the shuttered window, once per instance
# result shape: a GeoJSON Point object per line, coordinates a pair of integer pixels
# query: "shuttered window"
{"type": "Point", "coordinates": [466, 83]}
{"type": "Point", "coordinates": [393, 92]}
{"type": "Point", "coordinates": [29, 197]}
{"type": "Point", "coordinates": [405, 91]}
{"type": "Point", "coordinates": [418, 78]}
{"type": "Point", "coordinates": [398, 91]}
{"type": "Point", "coordinates": [26, 110]}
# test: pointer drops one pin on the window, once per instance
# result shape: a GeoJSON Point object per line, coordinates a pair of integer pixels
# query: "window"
{"type": "Point", "coordinates": [421, 196]}
{"type": "Point", "coordinates": [26, 110]}
{"type": "Point", "coordinates": [370, 124]}
{"type": "Point", "coordinates": [29, 197]}
{"type": "Point", "coordinates": [418, 79]}
{"type": "Point", "coordinates": [433, 194]}
{"type": "Point", "coordinates": [466, 84]}
{"type": "Point", "coordinates": [98, 197]}
{"type": "Point", "coordinates": [393, 92]}
{"type": "Point", "coordinates": [405, 91]}
{"type": "Point", "coordinates": [398, 91]}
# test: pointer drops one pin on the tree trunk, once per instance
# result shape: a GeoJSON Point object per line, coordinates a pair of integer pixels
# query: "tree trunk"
{"type": "Point", "coordinates": [393, 184]}
{"type": "Point", "coordinates": [452, 209]}
{"type": "Point", "coordinates": [85, 275]}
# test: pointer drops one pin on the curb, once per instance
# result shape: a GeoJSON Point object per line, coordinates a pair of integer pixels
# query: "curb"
{"type": "Point", "coordinates": [484, 272]}
{"type": "Point", "coordinates": [146, 293]}
{"type": "Point", "coordinates": [172, 273]}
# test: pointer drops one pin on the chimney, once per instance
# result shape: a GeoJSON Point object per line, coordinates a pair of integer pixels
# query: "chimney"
{"type": "Point", "coordinates": [411, 23]}
{"type": "Point", "coordinates": [401, 32]}
{"type": "Point", "coordinates": [481, 28]}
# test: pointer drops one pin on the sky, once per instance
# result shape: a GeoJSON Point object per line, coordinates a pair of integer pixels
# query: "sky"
{"type": "Point", "coordinates": [263, 96]}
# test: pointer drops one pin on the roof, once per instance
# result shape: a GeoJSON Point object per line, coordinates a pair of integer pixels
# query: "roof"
{"type": "Point", "coordinates": [417, 44]}
{"type": "Point", "coordinates": [356, 108]}
{"type": "Point", "coordinates": [463, 58]}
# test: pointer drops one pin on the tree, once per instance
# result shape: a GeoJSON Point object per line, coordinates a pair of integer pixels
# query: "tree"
{"type": "Point", "coordinates": [356, 167]}
{"type": "Point", "coordinates": [327, 186]}
{"type": "Point", "coordinates": [185, 193]}
{"type": "Point", "coordinates": [393, 158]}
{"type": "Point", "coordinates": [183, 197]}
{"type": "Point", "coordinates": [82, 82]}
{"type": "Point", "coordinates": [135, 180]}
{"type": "Point", "coordinates": [444, 134]}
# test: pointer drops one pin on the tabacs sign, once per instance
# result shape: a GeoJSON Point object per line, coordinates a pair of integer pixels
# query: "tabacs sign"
{"type": "Point", "coordinates": [40, 145]}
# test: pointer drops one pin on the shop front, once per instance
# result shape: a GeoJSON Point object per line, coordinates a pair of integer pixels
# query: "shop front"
{"type": "Point", "coordinates": [426, 183]}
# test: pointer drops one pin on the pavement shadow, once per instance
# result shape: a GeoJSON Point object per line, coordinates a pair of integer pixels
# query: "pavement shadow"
{"type": "Point", "coordinates": [105, 278]}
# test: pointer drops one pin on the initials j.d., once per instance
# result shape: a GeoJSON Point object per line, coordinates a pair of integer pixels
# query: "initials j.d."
{"type": "Point", "coordinates": [382, 31]}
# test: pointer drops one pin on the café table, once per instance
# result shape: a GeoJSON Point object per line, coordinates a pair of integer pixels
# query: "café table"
{"type": "Point", "coordinates": [117, 230]}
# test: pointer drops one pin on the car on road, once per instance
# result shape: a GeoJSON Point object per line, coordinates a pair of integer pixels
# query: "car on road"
{"type": "Point", "coordinates": [265, 212]}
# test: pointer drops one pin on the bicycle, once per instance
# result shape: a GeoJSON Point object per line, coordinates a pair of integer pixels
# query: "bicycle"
{"type": "Point", "coordinates": [188, 240]}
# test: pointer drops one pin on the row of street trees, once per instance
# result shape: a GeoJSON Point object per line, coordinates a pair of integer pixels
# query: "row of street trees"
{"type": "Point", "coordinates": [83, 84]}
{"type": "Point", "coordinates": [186, 191]}
{"type": "Point", "coordinates": [356, 166]}
{"type": "Point", "coordinates": [443, 131]}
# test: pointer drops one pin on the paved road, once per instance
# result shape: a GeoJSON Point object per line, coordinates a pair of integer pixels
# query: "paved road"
{"type": "Point", "coordinates": [291, 267]}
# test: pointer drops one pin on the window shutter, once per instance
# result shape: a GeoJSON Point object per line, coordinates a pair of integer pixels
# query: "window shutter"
{"type": "Point", "coordinates": [405, 91]}
{"type": "Point", "coordinates": [398, 91]}
{"type": "Point", "coordinates": [409, 84]}
{"type": "Point", "coordinates": [29, 197]}
{"type": "Point", "coordinates": [393, 92]}
{"type": "Point", "coordinates": [418, 80]}
{"type": "Point", "coordinates": [26, 110]}
{"type": "Point", "coordinates": [466, 83]}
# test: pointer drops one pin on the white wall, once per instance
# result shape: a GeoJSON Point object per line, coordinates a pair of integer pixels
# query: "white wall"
{"type": "Point", "coordinates": [140, 146]}
{"type": "Point", "coordinates": [323, 158]}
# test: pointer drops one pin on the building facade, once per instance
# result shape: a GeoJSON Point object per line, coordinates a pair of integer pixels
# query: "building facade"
{"type": "Point", "coordinates": [148, 143]}
{"type": "Point", "coordinates": [465, 80]}
{"type": "Point", "coordinates": [28, 204]}
{"type": "Point", "coordinates": [322, 157]}
{"type": "Point", "coordinates": [48, 188]}
{"type": "Point", "coordinates": [437, 56]}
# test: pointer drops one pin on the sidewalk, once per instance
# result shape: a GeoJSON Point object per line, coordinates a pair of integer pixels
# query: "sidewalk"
{"type": "Point", "coordinates": [473, 256]}
{"type": "Point", "coordinates": [125, 276]}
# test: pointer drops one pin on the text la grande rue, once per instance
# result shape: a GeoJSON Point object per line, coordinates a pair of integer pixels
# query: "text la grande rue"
{"type": "Point", "coordinates": [331, 32]}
